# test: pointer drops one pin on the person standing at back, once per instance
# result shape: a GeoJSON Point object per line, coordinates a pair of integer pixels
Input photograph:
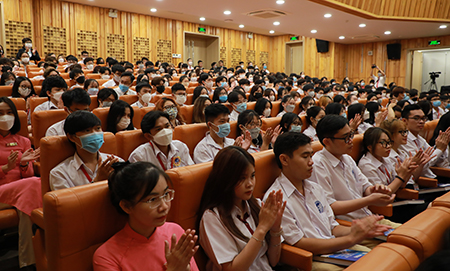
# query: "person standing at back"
{"type": "Point", "coordinates": [28, 48]}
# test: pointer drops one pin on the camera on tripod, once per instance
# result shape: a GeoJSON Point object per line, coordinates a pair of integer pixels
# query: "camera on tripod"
{"type": "Point", "coordinates": [434, 75]}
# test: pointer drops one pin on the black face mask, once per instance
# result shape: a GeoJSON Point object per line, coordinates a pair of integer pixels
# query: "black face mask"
{"type": "Point", "coordinates": [80, 80]}
{"type": "Point", "coordinates": [258, 95]}
{"type": "Point", "coordinates": [414, 99]}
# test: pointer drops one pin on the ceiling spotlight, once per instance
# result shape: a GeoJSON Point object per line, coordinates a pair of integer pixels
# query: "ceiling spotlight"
{"type": "Point", "coordinates": [280, 2]}
{"type": "Point", "coordinates": [387, 32]}
{"type": "Point", "coordinates": [241, 26]}
{"type": "Point", "coordinates": [271, 31]}
{"type": "Point", "coordinates": [153, 9]}
{"type": "Point", "coordinates": [276, 23]}
{"type": "Point", "coordinates": [227, 12]}
{"type": "Point", "coordinates": [313, 31]}
{"type": "Point", "coordinates": [202, 18]}
{"type": "Point", "coordinates": [328, 15]}
{"type": "Point", "coordinates": [341, 37]}
{"type": "Point", "coordinates": [443, 26]}
{"type": "Point", "coordinates": [362, 25]}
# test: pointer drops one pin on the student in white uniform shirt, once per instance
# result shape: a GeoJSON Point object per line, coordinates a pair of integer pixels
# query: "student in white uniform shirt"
{"type": "Point", "coordinates": [445, 105]}
{"type": "Point", "coordinates": [77, 77]}
{"type": "Point", "coordinates": [106, 96]}
{"type": "Point", "coordinates": [238, 102]}
{"type": "Point", "coordinates": [179, 94]}
{"type": "Point", "coordinates": [415, 120]}
{"type": "Point", "coordinates": [287, 105]}
{"type": "Point", "coordinates": [250, 121]}
{"type": "Point", "coordinates": [348, 191]}
{"type": "Point", "coordinates": [437, 111]}
{"type": "Point", "coordinates": [234, 230]}
{"type": "Point", "coordinates": [217, 119]}
{"type": "Point", "coordinates": [442, 126]}
{"type": "Point", "coordinates": [74, 100]}
{"type": "Point", "coordinates": [126, 80]}
{"type": "Point", "coordinates": [120, 117]}
{"type": "Point", "coordinates": [143, 90]}
{"type": "Point", "coordinates": [161, 150]}
{"type": "Point", "coordinates": [88, 165]}
{"type": "Point", "coordinates": [313, 115]}
{"type": "Point", "coordinates": [308, 221]}
{"type": "Point", "coordinates": [117, 71]}
{"type": "Point", "coordinates": [55, 87]}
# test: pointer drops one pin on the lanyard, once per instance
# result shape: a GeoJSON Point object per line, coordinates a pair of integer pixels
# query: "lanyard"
{"type": "Point", "coordinates": [386, 172]}
{"type": "Point", "coordinates": [245, 222]}
{"type": "Point", "coordinates": [86, 174]}
{"type": "Point", "coordinates": [159, 158]}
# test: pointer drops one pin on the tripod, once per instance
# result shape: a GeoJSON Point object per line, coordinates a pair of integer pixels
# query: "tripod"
{"type": "Point", "coordinates": [432, 85]}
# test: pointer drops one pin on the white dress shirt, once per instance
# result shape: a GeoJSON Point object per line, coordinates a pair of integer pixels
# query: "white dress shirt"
{"type": "Point", "coordinates": [207, 149]}
{"type": "Point", "coordinates": [341, 180]}
{"type": "Point", "coordinates": [56, 129]}
{"type": "Point", "coordinates": [437, 114]}
{"type": "Point", "coordinates": [69, 172]}
{"type": "Point", "coordinates": [307, 215]}
{"type": "Point", "coordinates": [413, 144]}
{"type": "Point", "coordinates": [377, 172]}
{"type": "Point", "coordinates": [281, 114]}
{"type": "Point", "coordinates": [138, 104]}
{"type": "Point", "coordinates": [234, 115]}
{"type": "Point", "coordinates": [178, 155]}
{"type": "Point", "coordinates": [311, 133]}
{"type": "Point", "coordinates": [109, 84]}
{"type": "Point", "coordinates": [363, 127]}
{"type": "Point", "coordinates": [222, 246]}
{"type": "Point", "coordinates": [128, 92]}
{"type": "Point", "coordinates": [45, 106]}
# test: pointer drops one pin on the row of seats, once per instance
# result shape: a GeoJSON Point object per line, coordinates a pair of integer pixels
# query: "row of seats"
{"type": "Point", "coordinates": [63, 243]}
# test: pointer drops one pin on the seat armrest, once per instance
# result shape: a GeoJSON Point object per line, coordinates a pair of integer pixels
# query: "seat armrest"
{"type": "Point", "coordinates": [405, 193]}
{"type": "Point", "coordinates": [296, 257]}
{"type": "Point", "coordinates": [440, 171]}
{"type": "Point", "coordinates": [344, 222]}
{"type": "Point", "coordinates": [382, 210]}
{"type": "Point", "coordinates": [37, 216]}
{"type": "Point", "coordinates": [427, 182]}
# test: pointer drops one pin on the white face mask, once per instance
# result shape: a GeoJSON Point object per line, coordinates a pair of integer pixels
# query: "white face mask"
{"type": "Point", "coordinates": [6, 122]}
{"type": "Point", "coordinates": [146, 98]}
{"type": "Point", "coordinates": [366, 115]}
{"type": "Point", "coordinates": [57, 95]}
{"type": "Point", "coordinates": [25, 60]}
{"type": "Point", "coordinates": [229, 75]}
{"type": "Point", "coordinates": [209, 84]}
{"type": "Point", "coordinates": [290, 107]}
{"type": "Point", "coordinates": [242, 75]}
{"type": "Point", "coordinates": [180, 99]}
{"type": "Point", "coordinates": [272, 98]}
{"type": "Point", "coordinates": [163, 137]}
{"type": "Point", "coordinates": [61, 60]}
{"type": "Point", "coordinates": [194, 79]}
{"type": "Point", "coordinates": [166, 84]}
{"type": "Point", "coordinates": [247, 88]}
{"type": "Point", "coordinates": [24, 92]}
{"type": "Point", "coordinates": [28, 45]}
{"type": "Point", "coordinates": [190, 63]}
{"type": "Point", "coordinates": [123, 123]}
{"type": "Point", "coordinates": [90, 67]}
{"type": "Point", "coordinates": [185, 84]}
{"type": "Point", "coordinates": [267, 112]}
{"type": "Point", "coordinates": [161, 70]}
{"type": "Point", "coordinates": [107, 104]}
{"type": "Point", "coordinates": [319, 95]}
{"type": "Point", "coordinates": [116, 78]}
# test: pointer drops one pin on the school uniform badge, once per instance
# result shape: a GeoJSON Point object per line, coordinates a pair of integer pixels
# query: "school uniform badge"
{"type": "Point", "coordinates": [319, 206]}
{"type": "Point", "coordinates": [176, 161]}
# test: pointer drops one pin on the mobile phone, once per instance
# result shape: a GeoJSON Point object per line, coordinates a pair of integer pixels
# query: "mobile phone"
{"type": "Point", "coordinates": [374, 66]}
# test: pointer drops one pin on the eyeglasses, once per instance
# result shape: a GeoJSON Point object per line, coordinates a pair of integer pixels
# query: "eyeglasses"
{"type": "Point", "coordinates": [347, 138]}
{"type": "Point", "coordinates": [154, 203]}
{"type": "Point", "coordinates": [424, 119]}
{"type": "Point", "coordinates": [385, 143]}
{"type": "Point", "coordinates": [169, 106]}
{"type": "Point", "coordinates": [403, 132]}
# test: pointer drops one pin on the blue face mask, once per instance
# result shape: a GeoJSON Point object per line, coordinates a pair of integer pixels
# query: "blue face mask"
{"type": "Point", "coordinates": [264, 87]}
{"type": "Point", "coordinates": [92, 142]}
{"type": "Point", "coordinates": [224, 130]}
{"type": "Point", "coordinates": [436, 103]}
{"type": "Point", "coordinates": [344, 115]}
{"type": "Point", "coordinates": [294, 79]}
{"type": "Point", "coordinates": [223, 98]}
{"type": "Point", "coordinates": [241, 107]}
{"type": "Point", "coordinates": [265, 67]}
{"type": "Point", "coordinates": [447, 106]}
{"type": "Point", "coordinates": [123, 88]}
{"type": "Point", "coordinates": [223, 84]}
{"type": "Point", "coordinates": [296, 128]}
{"type": "Point", "coordinates": [406, 97]}
{"type": "Point", "coordinates": [92, 91]}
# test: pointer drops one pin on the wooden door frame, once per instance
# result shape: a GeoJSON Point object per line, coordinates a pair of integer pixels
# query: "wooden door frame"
{"type": "Point", "coordinates": [287, 46]}
{"type": "Point", "coordinates": [200, 36]}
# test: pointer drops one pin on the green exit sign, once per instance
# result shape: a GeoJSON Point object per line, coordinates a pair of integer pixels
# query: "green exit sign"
{"type": "Point", "coordinates": [202, 29]}
{"type": "Point", "coordinates": [434, 42]}
{"type": "Point", "coordinates": [295, 38]}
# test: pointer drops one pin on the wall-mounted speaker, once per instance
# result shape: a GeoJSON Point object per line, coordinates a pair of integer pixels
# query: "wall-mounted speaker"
{"type": "Point", "coordinates": [322, 46]}
{"type": "Point", "coordinates": [394, 51]}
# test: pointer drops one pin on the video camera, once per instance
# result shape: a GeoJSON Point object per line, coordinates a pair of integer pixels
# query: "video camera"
{"type": "Point", "coordinates": [434, 75]}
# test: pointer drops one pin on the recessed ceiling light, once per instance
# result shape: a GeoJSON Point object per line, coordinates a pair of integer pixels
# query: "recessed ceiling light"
{"type": "Point", "coordinates": [227, 12]}
{"type": "Point", "coordinates": [313, 31]}
{"type": "Point", "coordinates": [341, 37]}
{"type": "Point", "coordinates": [387, 32]}
{"type": "Point", "coordinates": [276, 23]}
{"type": "Point", "coordinates": [328, 15]}
{"type": "Point", "coordinates": [280, 2]}
{"type": "Point", "coordinates": [202, 18]}
{"type": "Point", "coordinates": [241, 26]}
{"type": "Point", "coordinates": [443, 26]}
{"type": "Point", "coordinates": [362, 25]}
{"type": "Point", "coordinates": [153, 9]}
{"type": "Point", "coordinates": [271, 31]}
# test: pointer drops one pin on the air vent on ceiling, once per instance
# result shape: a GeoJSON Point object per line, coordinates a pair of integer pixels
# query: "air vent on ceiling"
{"type": "Point", "coordinates": [266, 14]}
{"type": "Point", "coordinates": [366, 37]}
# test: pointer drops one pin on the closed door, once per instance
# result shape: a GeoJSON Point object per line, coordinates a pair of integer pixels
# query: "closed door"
{"type": "Point", "coordinates": [195, 48]}
{"type": "Point", "coordinates": [294, 57]}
